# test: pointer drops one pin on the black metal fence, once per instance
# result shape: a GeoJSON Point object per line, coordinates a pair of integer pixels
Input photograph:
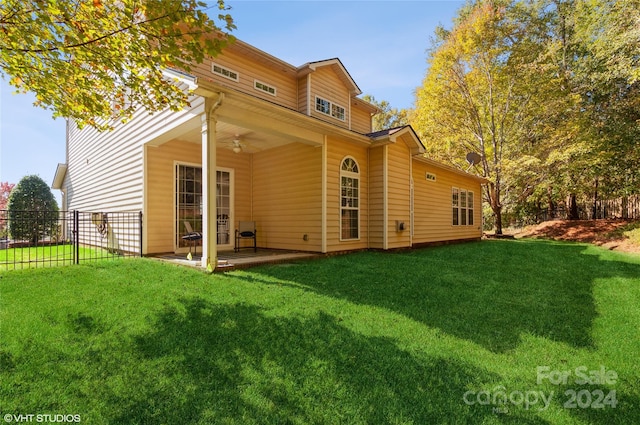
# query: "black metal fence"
{"type": "Point", "coordinates": [30, 239]}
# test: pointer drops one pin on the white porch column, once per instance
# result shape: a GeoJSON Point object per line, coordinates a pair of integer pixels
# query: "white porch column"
{"type": "Point", "coordinates": [209, 221]}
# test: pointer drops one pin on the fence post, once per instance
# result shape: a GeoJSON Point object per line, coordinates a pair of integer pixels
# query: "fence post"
{"type": "Point", "coordinates": [140, 233]}
{"type": "Point", "coordinates": [76, 238]}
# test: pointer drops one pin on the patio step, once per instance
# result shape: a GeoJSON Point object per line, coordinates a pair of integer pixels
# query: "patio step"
{"type": "Point", "coordinates": [223, 265]}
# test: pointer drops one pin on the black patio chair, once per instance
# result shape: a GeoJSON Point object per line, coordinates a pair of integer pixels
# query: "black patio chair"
{"type": "Point", "coordinates": [246, 230]}
{"type": "Point", "coordinates": [192, 237]}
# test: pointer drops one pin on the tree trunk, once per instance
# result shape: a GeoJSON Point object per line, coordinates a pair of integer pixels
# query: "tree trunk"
{"type": "Point", "coordinates": [496, 207]}
{"type": "Point", "coordinates": [498, 215]}
{"type": "Point", "coordinates": [573, 207]}
{"type": "Point", "coordinates": [594, 211]}
{"type": "Point", "coordinates": [551, 208]}
{"type": "Point", "coordinates": [538, 212]}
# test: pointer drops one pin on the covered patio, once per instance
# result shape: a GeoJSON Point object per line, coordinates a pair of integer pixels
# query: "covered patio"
{"type": "Point", "coordinates": [235, 160]}
{"type": "Point", "coordinates": [231, 260]}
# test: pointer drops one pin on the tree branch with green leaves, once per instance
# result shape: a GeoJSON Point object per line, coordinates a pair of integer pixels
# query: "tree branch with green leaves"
{"type": "Point", "coordinates": [98, 62]}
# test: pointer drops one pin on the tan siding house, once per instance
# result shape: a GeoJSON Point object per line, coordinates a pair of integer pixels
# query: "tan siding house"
{"type": "Point", "coordinates": [377, 195]}
{"type": "Point", "coordinates": [289, 148]}
{"type": "Point", "coordinates": [337, 151]}
{"type": "Point", "coordinates": [287, 201]}
{"type": "Point", "coordinates": [433, 211]}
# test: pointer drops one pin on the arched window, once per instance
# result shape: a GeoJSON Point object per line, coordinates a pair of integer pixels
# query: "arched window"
{"type": "Point", "coordinates": [349, 199]}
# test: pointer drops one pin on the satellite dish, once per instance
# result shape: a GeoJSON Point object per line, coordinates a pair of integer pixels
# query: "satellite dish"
{"type": "Point", "coordinates": [473, 158]}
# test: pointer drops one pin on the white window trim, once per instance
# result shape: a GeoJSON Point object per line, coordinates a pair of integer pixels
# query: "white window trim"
{"type": "Point", "coordinates": [344, 112]}
{"type": "Point", "coordinates": [231, 217]}
{"type": "Point", "coordinates": [456, 205]}
{"type": "Point", "coordinates": [261, 90]}
{"type": "Point", "coordinates": [462, 209]}
{"type": "Point", "coordinates": [323, 112]}
{"type": "Point", "coordinates": [330, 113]}
{"type": "Point", "coordinates": [358, 209]}
{"type": "Point", "coordinates": [176, 164]}
{"type": "Point", "coordinates": [472, 207]}
{"type": "Point", "coordinates": [224, 68]}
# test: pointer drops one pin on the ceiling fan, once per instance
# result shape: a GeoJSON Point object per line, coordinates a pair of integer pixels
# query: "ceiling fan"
{"type": "Point", "coordinates": [237, 146]}
{"type": "Point", "coordinates": [234, 143]}
{"type": "Point", "coordinates": [238, 143]}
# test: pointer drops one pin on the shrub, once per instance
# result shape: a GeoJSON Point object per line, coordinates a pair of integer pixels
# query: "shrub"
{"type": "Point", "coordinates": [32, 210]}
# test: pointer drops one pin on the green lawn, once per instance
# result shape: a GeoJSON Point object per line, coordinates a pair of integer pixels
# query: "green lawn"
{"type": "Point", "coordinates": [46, 256]}
{"type": "Point", "coordinates": [431, 336]}
{"type": "Point", "coordinates": [630, 231]}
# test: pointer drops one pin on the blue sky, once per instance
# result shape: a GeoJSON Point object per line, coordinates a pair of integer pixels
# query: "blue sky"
{"type": "Point", "coordinates": [381, 43]}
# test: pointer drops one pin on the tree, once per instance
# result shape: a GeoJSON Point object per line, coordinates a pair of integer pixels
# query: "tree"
{"type": "Point", "coordinates": [560, 140]}
{"type": "Point", "coordinates": [474, 98]}
{"type": "Point", "coordinates": [32, 210]}
{"type": "Point", "coordinates": [388, 117]}
{"type": "Point", "coordinates": [609, 73]}
{"type": "Point", "coordinates": [609, 30]}
{"type": "Point", "coordinates": [547, 92]}
{"type": "Point", "coordinates": [588, 146]}
{"type": "Point", "coordinates": [94, 61]}
{"type": "Point", "coordinates": [5, 190]}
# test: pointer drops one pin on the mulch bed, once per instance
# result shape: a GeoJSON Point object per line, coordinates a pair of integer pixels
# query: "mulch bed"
{"type": "Point", "coordinates": [598, 232]}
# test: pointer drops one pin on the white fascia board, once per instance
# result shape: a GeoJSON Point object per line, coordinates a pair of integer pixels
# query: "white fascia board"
{"type": "Point", "coordinates": [181, 77]}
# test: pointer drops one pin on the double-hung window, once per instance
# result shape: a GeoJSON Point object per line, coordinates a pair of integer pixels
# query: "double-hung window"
{"type": "Point", "coordinates": [462, 207]}
{"type": "Point", "coordinates": [470, 208]}
{"type": "Point", "coordinates": [455, 202]}
{"type": "Point", "coordinates": [349, 199]}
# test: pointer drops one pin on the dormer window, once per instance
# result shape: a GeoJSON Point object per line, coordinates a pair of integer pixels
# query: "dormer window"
{"type": "Point", "coordinates": [323, 106]}
{"type": "Point", "coordinates": [337, 112]}
{"type": "Point", "coordinates": [329, 108]}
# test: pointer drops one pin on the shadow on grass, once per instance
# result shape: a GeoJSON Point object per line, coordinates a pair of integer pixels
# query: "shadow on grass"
{"type": "Point", "coordinates": [488, 292]}
{"type": "Point", "coordinates": [235, 364]}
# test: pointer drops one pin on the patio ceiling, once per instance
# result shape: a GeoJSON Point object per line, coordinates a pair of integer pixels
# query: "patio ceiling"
{"type": "Point", "coordinates": [249, 140]}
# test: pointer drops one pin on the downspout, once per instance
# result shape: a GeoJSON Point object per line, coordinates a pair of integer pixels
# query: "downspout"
{"type": "Point", "coordinates": [369, 197]}
{"type": "Point", "coordinates": [385, 202]}
{"type": "Point", "coordinates": [251, 183]}
{"type": "Point", "coordinates": [309, 104]}
{"type": "Point", "coordinates": [411, 200]}
{"type": "Point", "coordinates": [324, 197]}
{"type": "Point", "coordinates": [349, 109]}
